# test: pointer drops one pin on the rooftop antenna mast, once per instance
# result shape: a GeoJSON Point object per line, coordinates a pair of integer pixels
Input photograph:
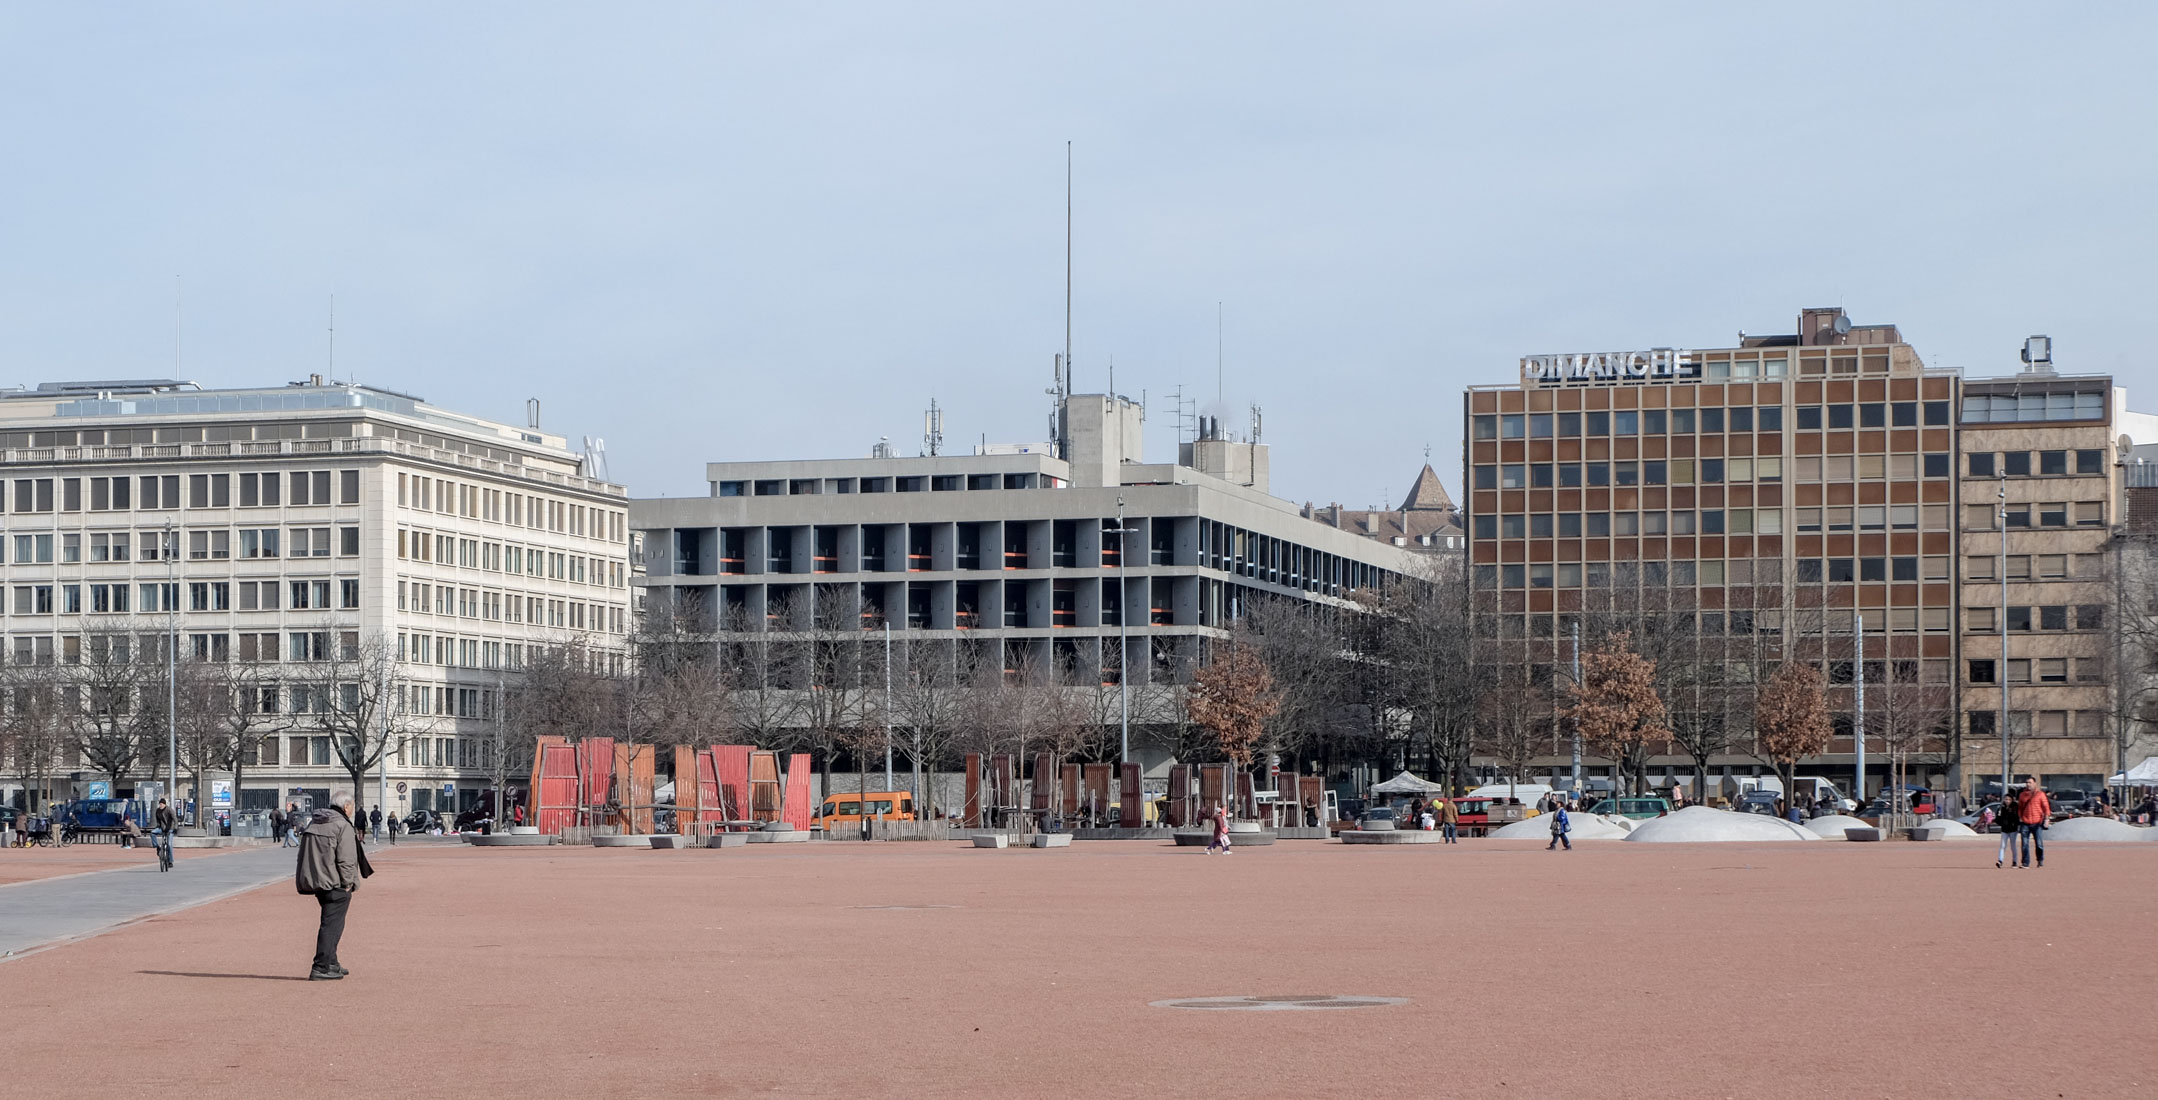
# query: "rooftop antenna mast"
{"type": "Point", "coordinates": [933, 429]}
{"type": "Point", "coordinates": [333, 337]}
{"type": "Point", "coordinates": [1064, 365]}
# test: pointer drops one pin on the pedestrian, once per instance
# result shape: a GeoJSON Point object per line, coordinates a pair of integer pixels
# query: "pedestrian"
{"type": "Point", "coordinates": [1221, 831]}
{"type": "Point", "coordinates": [517, 815]}
{"type": "Point", "coordinates": [1311, 814]}
{"type": "Point", "coordinates": [2033, 811]}
{"type": "Point", "coordinates": [292, 825]}
{"type": "Point", "coordinates": [1449, 819]}
{"type": "Point", "coordinates": [374, 822]}
{"type": "Point", "coordinates": [165, 823]}
{"type": "Point", "coordinates": [2007, 849]}
{"type": "Point", "coordinates": [396, 827]}
{"type": "Point", "coordinates": [330, 867]}
{"type": "Point", "coordinates": [1427, 822]}
{"type": "Point", "coordinates": [1560, 826]}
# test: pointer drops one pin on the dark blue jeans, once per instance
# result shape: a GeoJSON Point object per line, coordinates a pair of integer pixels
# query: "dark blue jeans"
{"type": "Point", "coordinates": [1451, 832]}
{"type": "Point", "coordinates": [2034, 837]}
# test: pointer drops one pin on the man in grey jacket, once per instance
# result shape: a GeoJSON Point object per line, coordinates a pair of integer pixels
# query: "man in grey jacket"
{"type": "Point", "coordinates": [329, 868]}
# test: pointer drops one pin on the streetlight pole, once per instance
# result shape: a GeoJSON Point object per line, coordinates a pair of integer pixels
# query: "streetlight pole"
{"type": "Point", "coordinates": [887, 702]}
{"type": "Point", "coordinates": [172, 672]}
{"type": "Point", "coordinates": [1577, 726]}
{"type": "Point", "coordinates": [2003, 515]}
{"type": "Point", "coordinates": [1858, 717]}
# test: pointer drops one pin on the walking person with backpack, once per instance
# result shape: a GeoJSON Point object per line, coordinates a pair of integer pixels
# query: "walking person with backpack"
{"type": "Point", "coordinates": [1561, 825]}
{"type": "Point", "coordinates": [331, 865]}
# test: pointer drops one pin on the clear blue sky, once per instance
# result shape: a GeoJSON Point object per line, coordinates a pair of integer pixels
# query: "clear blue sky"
{"type": "Point", "coordinates": [709, 231]}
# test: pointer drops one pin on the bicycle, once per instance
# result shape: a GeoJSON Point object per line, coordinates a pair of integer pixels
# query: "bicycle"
{"type": "Point", "coordinates": [162, 841]}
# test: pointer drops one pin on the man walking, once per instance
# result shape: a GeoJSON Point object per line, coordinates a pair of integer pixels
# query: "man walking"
{"type": "Point", "coordinates": [1449, 820]}
{"type": "Point", "coordinates": [2033, 810]}
{"type": "Point", "coordinates": [292, 825]}
{"type": "Point", "coordinates": [330, 867]}
{"type": "Point", "coordinates": [1560, 826]}
{"type": "Point", "coordinates": [165, 822]}
{"type": "Point", "coordinates": [374, 822]}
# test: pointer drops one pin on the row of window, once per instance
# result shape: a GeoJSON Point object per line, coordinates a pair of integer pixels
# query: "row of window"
{"type": "Point", "coordinates": [495, 557]}
{"type": "Point", "coordinates": [1832, 622]}
{"type": "Point", "coordinates": [507, 607]}
{"type": "Point", "coordinates": [449, 651]}
{"type": "Point", "coordinates": [2037, 670]}
{"type": "Point", "coordinates": [2009, 408]}
{"type": "Point", "coordinates": [121, 598]}
{"type": "Point", "coordinates": [458, 498]}
{"type": "Point", "coordinates": [2024, 619]}
{"type": "Point", "coordinates": [255, 543]}
{"type": "Point", "coordinates": [1766, 418]}
{"type": "Point", "coordinates": [161, 492]}
{"type": "Point", "coordinates": [2083, 463]}
{"type": "Point", "coordinates": [840, 486]}
{"type": "Point", "coordinates": [1989, 517]}
{"type": "Point", "coordinates": [1710, 471]}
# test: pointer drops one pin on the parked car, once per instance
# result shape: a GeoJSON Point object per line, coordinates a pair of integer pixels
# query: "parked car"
{"type": "Point", "coordinates": [1757, 802]}
{"type": "Point", "coordinates": [1639, 808]}
{"type": "Point", "coordinates": [1377, 818]}
{"type": "Point", "coordinates": [420, 821]}
{"type": "Point", "coordinates": [2071, 803]}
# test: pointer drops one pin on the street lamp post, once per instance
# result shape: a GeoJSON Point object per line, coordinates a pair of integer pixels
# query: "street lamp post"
{"type": "Point", "coordinates": [1123, 634]}
{"type": "Point", "coordinates": [2003, 673]}
{"type": "Point", "coordinates": [172, 670]}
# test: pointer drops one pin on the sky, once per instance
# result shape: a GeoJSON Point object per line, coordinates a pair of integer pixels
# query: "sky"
{"type": "Point", "coordinates": [711, 231]}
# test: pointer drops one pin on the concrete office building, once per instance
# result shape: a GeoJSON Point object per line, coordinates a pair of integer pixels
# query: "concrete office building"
{"type": "Point", "coordinates": [287, 529]}
{"type": "Point", "coordinates": [2042, 466]}
{"type": "Point", "coordinates": [1762, 503]}
{"type": "Point", "coordinates": [1015, 552]}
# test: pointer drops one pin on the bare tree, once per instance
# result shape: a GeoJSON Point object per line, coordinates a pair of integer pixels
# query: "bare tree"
{"type": "Point", "coordinates": [1307, 646]}
{"type": "Point", "coordinates": [929, 688]}
{"type": "Point", "coordinates": [1513, 722]}
{"type": "Point", "coordinates": [38, 727]}
{"type": "Point", "coordinates": [1422, 640]}
{"type": "Point", "coordinates": [352, 687]}
{"type": "Point", "coordinates": [118, 712]}
{"type": "Point", "coordinates": [564, 691]}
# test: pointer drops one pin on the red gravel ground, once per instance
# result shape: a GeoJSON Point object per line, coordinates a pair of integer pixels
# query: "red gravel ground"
{"type": "Point", "coordinates": [27, 864]}
{"type": "Point", "coordinates": [1617, 970]}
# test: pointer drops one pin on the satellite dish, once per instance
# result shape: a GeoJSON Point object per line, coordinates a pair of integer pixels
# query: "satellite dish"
{"type": "Point", "coordinates": [2126, 446]}
{"type": "Point", "coordinates": [1842, 324]}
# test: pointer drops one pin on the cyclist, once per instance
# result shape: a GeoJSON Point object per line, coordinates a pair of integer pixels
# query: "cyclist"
{"type": "Point", "coordinates": [163, 825]}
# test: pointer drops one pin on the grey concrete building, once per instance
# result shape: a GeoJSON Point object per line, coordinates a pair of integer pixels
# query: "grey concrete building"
{"type": "Point", "coordinates": [1032, 556]}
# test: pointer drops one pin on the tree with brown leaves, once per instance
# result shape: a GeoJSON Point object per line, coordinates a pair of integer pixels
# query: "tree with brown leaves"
{"type": "Point", "coordinates": [1790, 718]}
{"type": "Point", "coordinates": [1615, 706]}
{"type": "Point", "coordinates": [1231, 697]}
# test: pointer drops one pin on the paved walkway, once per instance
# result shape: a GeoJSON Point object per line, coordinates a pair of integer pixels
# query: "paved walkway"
{"type": "Point", "coordinates": [35, 914]}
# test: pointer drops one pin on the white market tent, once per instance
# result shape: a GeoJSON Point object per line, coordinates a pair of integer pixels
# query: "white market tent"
{"type": "Point", "coordinates": [2142, 775]}
{"type": "Point", "coordinates": [1407, 784]}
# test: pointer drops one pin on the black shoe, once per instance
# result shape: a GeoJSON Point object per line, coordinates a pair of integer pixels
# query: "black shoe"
{"type": "Point", "coordinates": [340, 968]}
{"type": "Point", "coordinates": [325, 975]}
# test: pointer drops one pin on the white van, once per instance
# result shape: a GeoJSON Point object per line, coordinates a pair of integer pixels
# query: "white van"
{"type": "Point", "coordinates": [1737, 786]}
{"type": "Point", "coordinates": [1528, 793]}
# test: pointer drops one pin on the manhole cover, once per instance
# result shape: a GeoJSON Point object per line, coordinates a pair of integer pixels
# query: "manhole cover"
{"type": "Point", "coordinates": [902, 907]}
{"type": "Point", "coordinates": [1283, 1002]}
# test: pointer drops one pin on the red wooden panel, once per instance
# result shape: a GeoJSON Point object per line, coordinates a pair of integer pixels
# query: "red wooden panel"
{"type": "Point", "coordinates": [554, 787]}
{"type": "Point", "coordinates": [711, 796]}
{"type": "Point", "coordinates": [971, 813]}
{"type": "Point", "coordinates": [795, 810]}
{"type": "Point", "coordinates": [1131, 808]}
{"type": "Point", "coordinates": [732, 763]}
{"type": "Point", "coordinates": [595, 761]}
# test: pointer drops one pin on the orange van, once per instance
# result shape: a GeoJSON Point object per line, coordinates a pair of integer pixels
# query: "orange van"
{"type": "Point", "coordinates": [845, 809]}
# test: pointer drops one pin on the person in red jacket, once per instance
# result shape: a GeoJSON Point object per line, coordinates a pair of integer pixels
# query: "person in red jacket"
{"type": "Point", "coordinates": [2033, 810]}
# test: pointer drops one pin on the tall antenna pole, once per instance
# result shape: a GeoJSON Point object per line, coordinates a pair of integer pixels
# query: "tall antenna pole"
{"type": "Point", "coordinates": [1067, 268]}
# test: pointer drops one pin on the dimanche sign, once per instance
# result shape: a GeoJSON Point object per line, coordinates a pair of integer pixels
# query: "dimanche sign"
{"type": "Point", "coordinates": [1656, 364]}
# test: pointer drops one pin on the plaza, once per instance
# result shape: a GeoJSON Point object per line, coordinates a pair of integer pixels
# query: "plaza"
{"type": "Point", "coordinates": [932, 969]}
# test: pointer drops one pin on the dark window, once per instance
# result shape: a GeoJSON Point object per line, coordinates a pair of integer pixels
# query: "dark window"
{"type": "Point", "coordinates": [2053, 463]}
{"type": "Point", "coordinates": [1515, 576]}
{"type": "Point", "coordinates": [1513, 527]}
{"type": "Point", "coordinates": [1485, 427]}
{"type": "Point", "coordinates": [1569, 424]}
{"type": "Point", "coordinates": [2090, 616]}
{"type": "Point", "coordinates": [1809, 570]}
{"type": "Point", "coordinates": [1742, 419]}
{"type": "Point", "coordinates": [1570, 525]}
{"type": "Point", "coordinates": [1540, 525]}
{"type": "Point", "coordinates": [1903, 569]}
{"type": "Point", "coordinates": [1982, 464]}
{"type": "Point", "coordinates": [1599, 473]}
{"type": "Point", "coordinates": [1840, 416]}
{"type": "Point", "coordinates": [1711, 471]}
{"type": "Point", "coordinates": [1654, 422]}
{"type": "Point", "coordinates": [1937, 465]}
{"type": "Point", "coordinates": [1487, 477]}
{"type": "Point", "coordinates": [2018, 515]}
{"type": "Point", "coordinates": [1624, 473]}
{"type": "Point", "coordinates": [1769, 418]}
{"type": "Point", "coordinates": [2016, 463]}
{"type": "Point", "coordinates": [1873, 569]}
{"type": "Point", "coordinates": [1599, 423]}
{"type": "Point", "coordinates": [2019, 618]}
{"type": "Point", "coordinates": [1841, 571]}
{"type": "Point", "coordinates": [1711, 420]}
{"type": "Point", "coordinates": [1981, 672]}
{"type": "Point", "coordinates": [1654, 472]}
{"type": "Point", "coordinates": [2090, 462]}
{"type": "Point", "coordinates": [2053, 515]}
{"type": "Point", "coordinates": [1712, 521]}
{"type": "Point", "coordinates": [1903, 414]}
{"type": "Point", "coordinates": [1540, 476]}
{"type": "Point", "coordinates": [1809, 417]}
{"type": "Point", "coordinates": [1625, 423]}
{"type": "Point", "coordinates": [1539, 425]}
{"type": "Point", "coordinates": [1570, 475]}
{"type": "Point", "coordinates": [1681, 421]}
{"type": "Point", "coordinates": [2053, 617]}
{"type": "Point", "coordinates": [1599, 526]}
{"type": "Point", "coordinates": [1936, 414]}
{"type": "Point", "coordinates": [1873, 415]}
{"type": "Point", "coordinates": [1487, 527]}
{"type": "Point", "coordinates": [1510, 426]}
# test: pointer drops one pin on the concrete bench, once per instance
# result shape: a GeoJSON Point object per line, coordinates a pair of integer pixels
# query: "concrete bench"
{"type": "Point", "coordinates": [991, 840]}
{"type": "Point", "coordinates": [1051, 840]}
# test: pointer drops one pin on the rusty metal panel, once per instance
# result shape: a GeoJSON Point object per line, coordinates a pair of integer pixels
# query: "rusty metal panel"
{"type": "Point", "coordinates": [971, 812]}
{"type": "Point", "coordinates": [796, 809]}
{"type": "Point", "coordinates": [554, 786]}
{"type": "Point", "coordinates": [1131, 805]}
{"type": "Point", "coordinates": [731, 764]}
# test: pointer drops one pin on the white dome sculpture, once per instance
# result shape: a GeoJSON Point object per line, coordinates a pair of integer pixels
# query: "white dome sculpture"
{"type": "Point", "coordinates": [1580, 827]}
{"type": "Point", "coordinates": [2098, 830]}
{"type": "Point", "coordinates": [1700, 825]}
{"type": "Point", "coordinates": [1831, 826]}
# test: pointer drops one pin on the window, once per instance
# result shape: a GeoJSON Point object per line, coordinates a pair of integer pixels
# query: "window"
{"type": "Point", "coordinates": [1936, 465]}
{"type": "Point", "coordinates": [1978, 567]}
{"type": "Point", "coordinates": [1903, 414]}
{"type": "Point", "coordinates": [1711, 420]}
{"type": "Point", "coordinates": [1540, 525]}
{"type": "Point", "coordinates": [1540, 476]}
{"type": "Point", "coordinates": [2053, 670]}
{"type": "Point", "coordinates": [2090, 616]}
{"type": "Point", "coordinates": [1981, 464]}
{"type": "Point", "coordinates": [258, 543]}
{"type": "Point", "coordinates": [1682, 421]}
{"type": "Point", "coordinates": [2018, 515]}
{"type": "Point", "coordinates": [1513, 477]}
{"type": "Point", "coordinates": [348, 542]}
{"type": "Point", "coordinates": [2019, 619]}
{"type": "Point", "coordinates": [1540, 425]}
{"type": "Point", "coordinates": [1570, 525]}
{"type": "Point", "coordinates": [2016, 463]}
{"type": "Point", "coordinates": [2090, 513]}
{"type": "Point", "coordinates": [2090, 462]}
{"type": "Point", "coordinates": [315, 542]}
{"type": "Point", "coordinates": [1873, 569]}
{"type": "Point", "coordinates": [1873, 414]}
{"type": "Point", "coordinates": [1809, 417]}
{"type": "Point", "coordinates": [1841, 416]}
{"type": "Point", "coordinates": [1842, 570]}
{"type": "Point", "coordinates": [1936, 413]}
{"type": "Point", "coordinates": [1980, 672]}
{"type": "Point", "coordinates": [1769, 418]}
{"type": "Point", "coordinates": [348, 486]}
{"type": "Point", "coordinates": [1978, 517]}
{"type": "Point", "coordinates": [1511, 426]}
{"type": "Point", "coordinates": [2054, 514]}
{"type": "Point", "coordinates": [2019, 671]}
{"type": "Point", "coordinates": [1980, 620]}
{"type": "Point", "coordinates": [1597, 423]}
{"type": "Point", "coordinates": [2053, 463]}
{"type": "Point", "coordinates": [1903, 569]}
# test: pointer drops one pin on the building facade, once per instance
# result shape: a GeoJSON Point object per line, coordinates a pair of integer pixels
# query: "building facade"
{"type": "Point", "coordinates": [296, 536]}
{"type": "Point", "coordinates": [1820, 496]}
{"type": "Point", "coordinates": [1042, 557]}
